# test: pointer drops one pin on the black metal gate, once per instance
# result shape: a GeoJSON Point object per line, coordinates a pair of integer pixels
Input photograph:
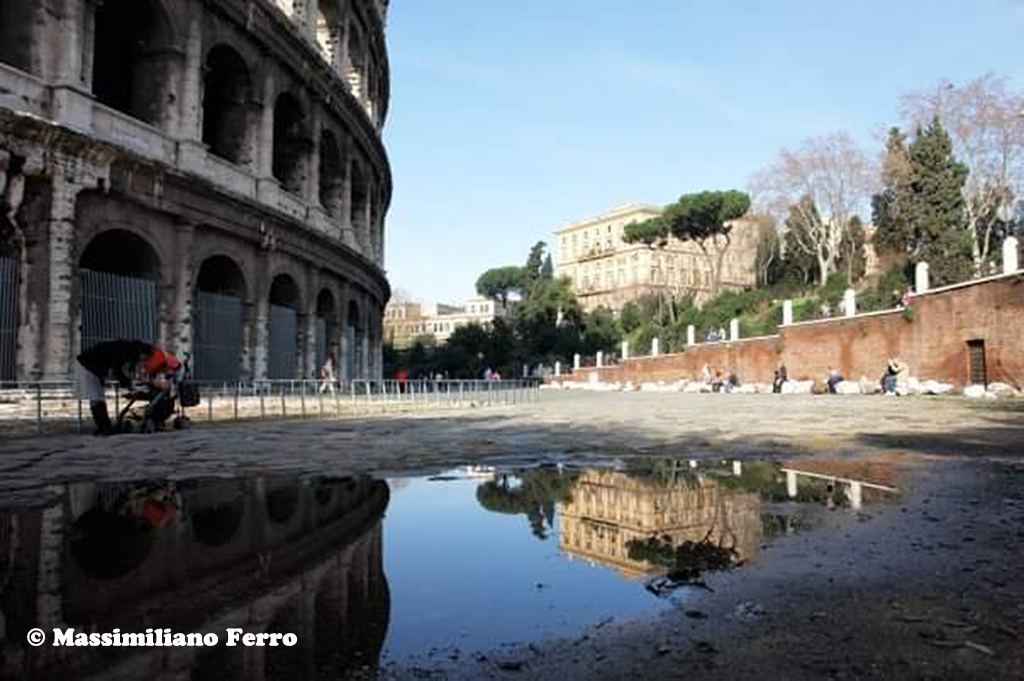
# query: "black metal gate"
{"type": "Point", "coordinates": [976, 374]}
{"type": "Point", "coordinates": [218, 337]}
{"type": "Point", "coordinates": [8, 318]}
{"type": "Point", "coordinates": [284, 347]}
{"type": "Point", "coordinates": [320, 345]}
{"type": "Point", "coordinates": [115, 307]}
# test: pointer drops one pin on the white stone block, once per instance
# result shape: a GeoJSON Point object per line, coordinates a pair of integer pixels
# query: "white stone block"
{"type": "Point", "coordinates": [921, 280]}
{"type": "Point", "coordinates": [1002, 390]}
{"type": "Point", "coordinates": [787, 313]}
{"type": "Point", "coordinates": [848, 388]}
{"type": "Point", "coordinates": [974, 391]}
{"type": "Point", "coordinates": [797, 387]}
{"type": "Point", "coordinates": [1010, 255]}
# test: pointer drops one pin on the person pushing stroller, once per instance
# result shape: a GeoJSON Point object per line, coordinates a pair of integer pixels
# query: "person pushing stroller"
{"type": "Point", "coordinates": [125, 361]}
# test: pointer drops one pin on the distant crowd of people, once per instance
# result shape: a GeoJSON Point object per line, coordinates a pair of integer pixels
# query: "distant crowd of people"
{"type": "Point", "coordinates": [833, 377]}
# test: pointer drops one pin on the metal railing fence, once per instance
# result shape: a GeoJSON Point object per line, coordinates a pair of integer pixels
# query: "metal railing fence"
{"type": "Point", "coordinates": [53, 407]}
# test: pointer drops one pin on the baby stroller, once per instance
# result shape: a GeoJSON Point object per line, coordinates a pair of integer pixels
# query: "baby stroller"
{"type": "Point", "coordinates": [147, 408]}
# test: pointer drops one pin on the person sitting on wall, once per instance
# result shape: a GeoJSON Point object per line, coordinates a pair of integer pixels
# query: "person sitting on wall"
{"type": "Point", "coordinates": [718, 384]}
{"type": "Point", "coordinates": [780, 378]}
{"type": "Point", "coordinates": [834, 379]}
{"type": "Point", "coordinates": [892, 370]}
{"type": "Point", "coordinates": [732, 382]}
{"type": "Point", "coordinates": [124, 361]}
{"type": "Point", "coordinates": [705, 375]}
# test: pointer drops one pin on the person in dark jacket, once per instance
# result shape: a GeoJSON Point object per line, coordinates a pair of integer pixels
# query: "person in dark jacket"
{"type": "Point", "coordinates": [123, 361]}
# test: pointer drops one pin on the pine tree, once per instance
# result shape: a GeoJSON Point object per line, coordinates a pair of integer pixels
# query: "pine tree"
{"type": "Point", "coordinates": [892, 206]}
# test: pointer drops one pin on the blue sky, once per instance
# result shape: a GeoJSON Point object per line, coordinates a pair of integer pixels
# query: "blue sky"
{"type": "Point", "coordinates": [509, 119]}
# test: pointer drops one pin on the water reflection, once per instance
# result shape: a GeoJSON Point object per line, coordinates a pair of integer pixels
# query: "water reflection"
{"type": "Point", "coordinates": [264, 555]}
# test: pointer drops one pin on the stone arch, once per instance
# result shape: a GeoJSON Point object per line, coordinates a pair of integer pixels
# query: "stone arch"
{"type": "Point", "coordinates": [283, 334]}
{"type": "Point", "coordinates": [332, 175]}
{"type": "Point", "coordinates": [291, 143]}
{"type": "Point", "coordinates": [135, 59]}
{"type": "Point", "coordinates": [19, 34]}
{"type": "Point", "coordinates": [120, 275]}
{"type": "Point", "coordinates": [217, 513]}
{"type": "Point", "coordinates": [359, 205]}
{"type": "Point", "coordinates": [328, 30]}
{"type": "Point", "coordinates": [218, 320]}
{"type": "Point", "coordinates": [109, 544]}
{"type": "Point", "coordinates": [228, 97]}
{"type": "Point", "coordinates": [355, 71]}
{"type": "Point", "coordinates": [283, 503]}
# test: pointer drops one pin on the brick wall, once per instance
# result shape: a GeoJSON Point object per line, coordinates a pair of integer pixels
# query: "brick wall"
{"type": "Point", "coordinates": [931, 341]}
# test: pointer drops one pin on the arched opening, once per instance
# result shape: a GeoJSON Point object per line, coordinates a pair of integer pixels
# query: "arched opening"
{"type": "Point", "coordinates": [355, 72]}
{"type": "Point", "coordinates": [354, 333]}
{"type": "Point", "coordinates": [216, 513]}
{"type": "Point", "coordinates": [9, 293]}
{"type": "Point", "coordinates": [360, 207]}
{"type": "Point", "coordinates": [332, 175]}
{"type": "Point", "coordinates": [227, 101]}
{"type": "Point", "coordinates": [120, 280]}
{"type": "Point", "coordinates": [133, 63]}
{"type": "Point", "coordinates": [325, 328]}
{"type": "Point", "coordinates": [218, 321]}
{"type": "Point", "coordinates": [282, 503]}
{"type": "Point", "coordinates": [18, 34]}
{"type": "Point", "coordinates": [283, 355]}
{"type": "Point", "coordinates": [291, 143]}
{"type": "Point", "coordinates": [328, 32]}
{"type": "Point", "coordinates": [109, 542]}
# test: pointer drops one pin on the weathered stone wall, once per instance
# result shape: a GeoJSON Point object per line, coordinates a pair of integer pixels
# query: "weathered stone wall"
{"type": "Point", "coordinates": [930, 338]}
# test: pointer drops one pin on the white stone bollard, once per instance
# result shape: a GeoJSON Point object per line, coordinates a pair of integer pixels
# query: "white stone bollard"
{"type": "Point", "coordinates": [691, 335]}
{"type": "Point", "coordinates": [850, 302]}
{"type": "Point", "coordinates": [693, 463]}
{"type": "Point", "coordinates": [625, 349]}
{"type": "Point", "coordinates": [855, 493]}
{"type": "Point", "coordinates": [791, 484]}
{"type": "Point", "coordinates": [787, 313]}
{"type": "Point", "coordinates": [921, 278]}
{"type": "Point", "coordinates": [600, 359]}
{"type": "Point", "coordinates": [558, 368]}
{"type": "Point", "coordinates": [734, 330]}
{"type": "Point", "coordinates": [654, 348]}
{"type": "Point", "coordinates": [526, 371]}
{"type": "Point", "coordinates": [737, 468]}
{"type": "Point", "coordinates": [576, 362]}
{"type": "Point", "coordinates": [1010, 248]}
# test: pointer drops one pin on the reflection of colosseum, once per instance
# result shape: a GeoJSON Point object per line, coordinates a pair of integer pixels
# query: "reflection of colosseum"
{"type": "Point", "coordinates": [609, 509]}
{"type": "Point", "coordinates": [208, 175]}
{"type": "Point", "coordinates": [264, 556]}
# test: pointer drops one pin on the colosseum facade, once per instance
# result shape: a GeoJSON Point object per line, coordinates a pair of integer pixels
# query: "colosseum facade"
{"type": "Point", "coordinates": [205, 174]}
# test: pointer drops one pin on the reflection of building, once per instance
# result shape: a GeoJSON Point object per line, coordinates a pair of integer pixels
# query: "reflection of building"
{"type": "Point", "coordinates": [206, 175]}
{"type": "Point", "coordinates": [406, 321]}
{"type": "Point", "coordinates": [263, 556]}
{"type": "Point", "coordinates": [608, 272]}
{"type": "Point", "coordinates": [608, 509]}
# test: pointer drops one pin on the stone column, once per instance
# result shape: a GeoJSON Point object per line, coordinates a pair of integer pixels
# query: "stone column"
{"type": "Point", "coordinates": [265, 142]}
{"type": "Point", "coordinates": [179, 335]}
{"type": "Point", "coordinates": [313, 174]}
{"type": "Point", "coordinates": [625, 350]}
{"type": "Point", "coordinates": [59, 338]}
{"type": "Point", "coordinates": [737, 468]}
{"type": "Point", "coordinates": [734, 330]}
{"type": "Point", "coordinates": [191, 121]}
{"type": "Point", "coordinates": [600, 359]}
{"type": "Point", "coordinates": [261, 334]}
{"type": "Point", "coordinates": [309, 367]}
{"type": "Point", "coordinates": [855, 492]}
{"type": "Point", "coordinates": [1010, 255]}
{"type": "Point", "coordinates": [921, 278]}
{"type": "Point", "coordinates": [850, 302]}
{"type": "Point", "coordinates": [576, 362]}
{"type": "Point", "coordinates": [558, 368]}
{"type": "Point", "coordinates": [691, 335]}
{"type": "Point", "coordinates": [347, 231]}
{"type": "Point", "coordinates": [791, 486]}
{"type": "Point", "coordinates": [654, 348]}
{"type": "Point", "coordinates": [787, 313]}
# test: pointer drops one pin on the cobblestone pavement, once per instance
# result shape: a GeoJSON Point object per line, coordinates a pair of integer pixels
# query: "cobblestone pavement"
{"type": "Point", "coordinates": [563, 426]}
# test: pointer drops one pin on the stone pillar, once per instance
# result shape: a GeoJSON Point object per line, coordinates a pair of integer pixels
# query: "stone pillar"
{"type": "Point", "coordinates": [921, 278]}
{"type": "Point", "coordinates": [179, 335]}
{"type": "Point", "coordinates": [576, 362]}
{"type": "Point", "coordinates": [313, 175]}
{"type": "Point", "coordinates": [1010, 255]}
{"type": "Point", "coordinates": [59, 340]}
{"type": "Point", "coordinates": [265, 143]}
{"type": "Point", "coordinates": [600, 359]}
{"type": "Point", "coordinates": [691, 335]}
{"type": "Point", "coordinates": [654, 348]}
{"type": "Point", "coordinates": [558, 368]}
{"type": "Point", "coordinates": [347, 231]}
{"type": "Point", "coordinates": [787, 313]}
{"type": "Point", "coordinates": [191, 121]}
{"type": "Point", "coordinates": [855, 493]}
{"type": "Point", "coordinates": [850, 302]}
{"type": "Point", "coordinates": [261, 333]}
{"type": "Point", "coordinates": [625, 350]}
{"type": "Point", "coordinates": [734, 330]}
{"type": "Point", "coordinates": [737, 468]}
{"type": "Point", "coordinates": [791, 484]}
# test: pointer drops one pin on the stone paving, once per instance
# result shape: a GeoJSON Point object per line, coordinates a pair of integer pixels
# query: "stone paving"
{"type": "Point", "coordinates": [562, 427]}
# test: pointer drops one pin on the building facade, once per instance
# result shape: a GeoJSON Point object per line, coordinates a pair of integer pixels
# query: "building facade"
{"type": "Point", "coordinates": [405, 321]}
{"type": "Point", "coordinates": [207, 176]}
{"type": "Point", "coordinates": [608, 272]}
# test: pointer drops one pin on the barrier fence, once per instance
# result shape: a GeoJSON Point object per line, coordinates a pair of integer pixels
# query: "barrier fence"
{"type": "Point", "coordinates": [54, 407]}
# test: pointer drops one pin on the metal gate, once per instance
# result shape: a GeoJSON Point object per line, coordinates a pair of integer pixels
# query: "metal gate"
{"type": "Point", "coordinates": [320, 345]}
{"type": "Point", "coordinates": [976, 374]}
{"type": "Point", "coordinates": [8, 318]}
{"type": "Point", "coordinates": [283, 342]}
{"type": "Point", "coordinates": [218, 339]}
{"type": "Point", "coordinates": [116, 307]}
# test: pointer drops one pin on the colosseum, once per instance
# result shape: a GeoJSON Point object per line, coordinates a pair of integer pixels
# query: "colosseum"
{"type": "Point", "coordinates": [208, 175]}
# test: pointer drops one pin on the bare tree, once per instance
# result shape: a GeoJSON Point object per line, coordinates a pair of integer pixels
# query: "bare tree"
{"type": "Point", "coordinates": [986, 124]}
{"type": "Point", "coordinates": [768, 247]}
{"type": "Point", "coordinates": [823, 184]}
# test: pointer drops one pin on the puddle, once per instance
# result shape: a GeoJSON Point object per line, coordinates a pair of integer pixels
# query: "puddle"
{"type": "Point", "coordinates": [368, 572]}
